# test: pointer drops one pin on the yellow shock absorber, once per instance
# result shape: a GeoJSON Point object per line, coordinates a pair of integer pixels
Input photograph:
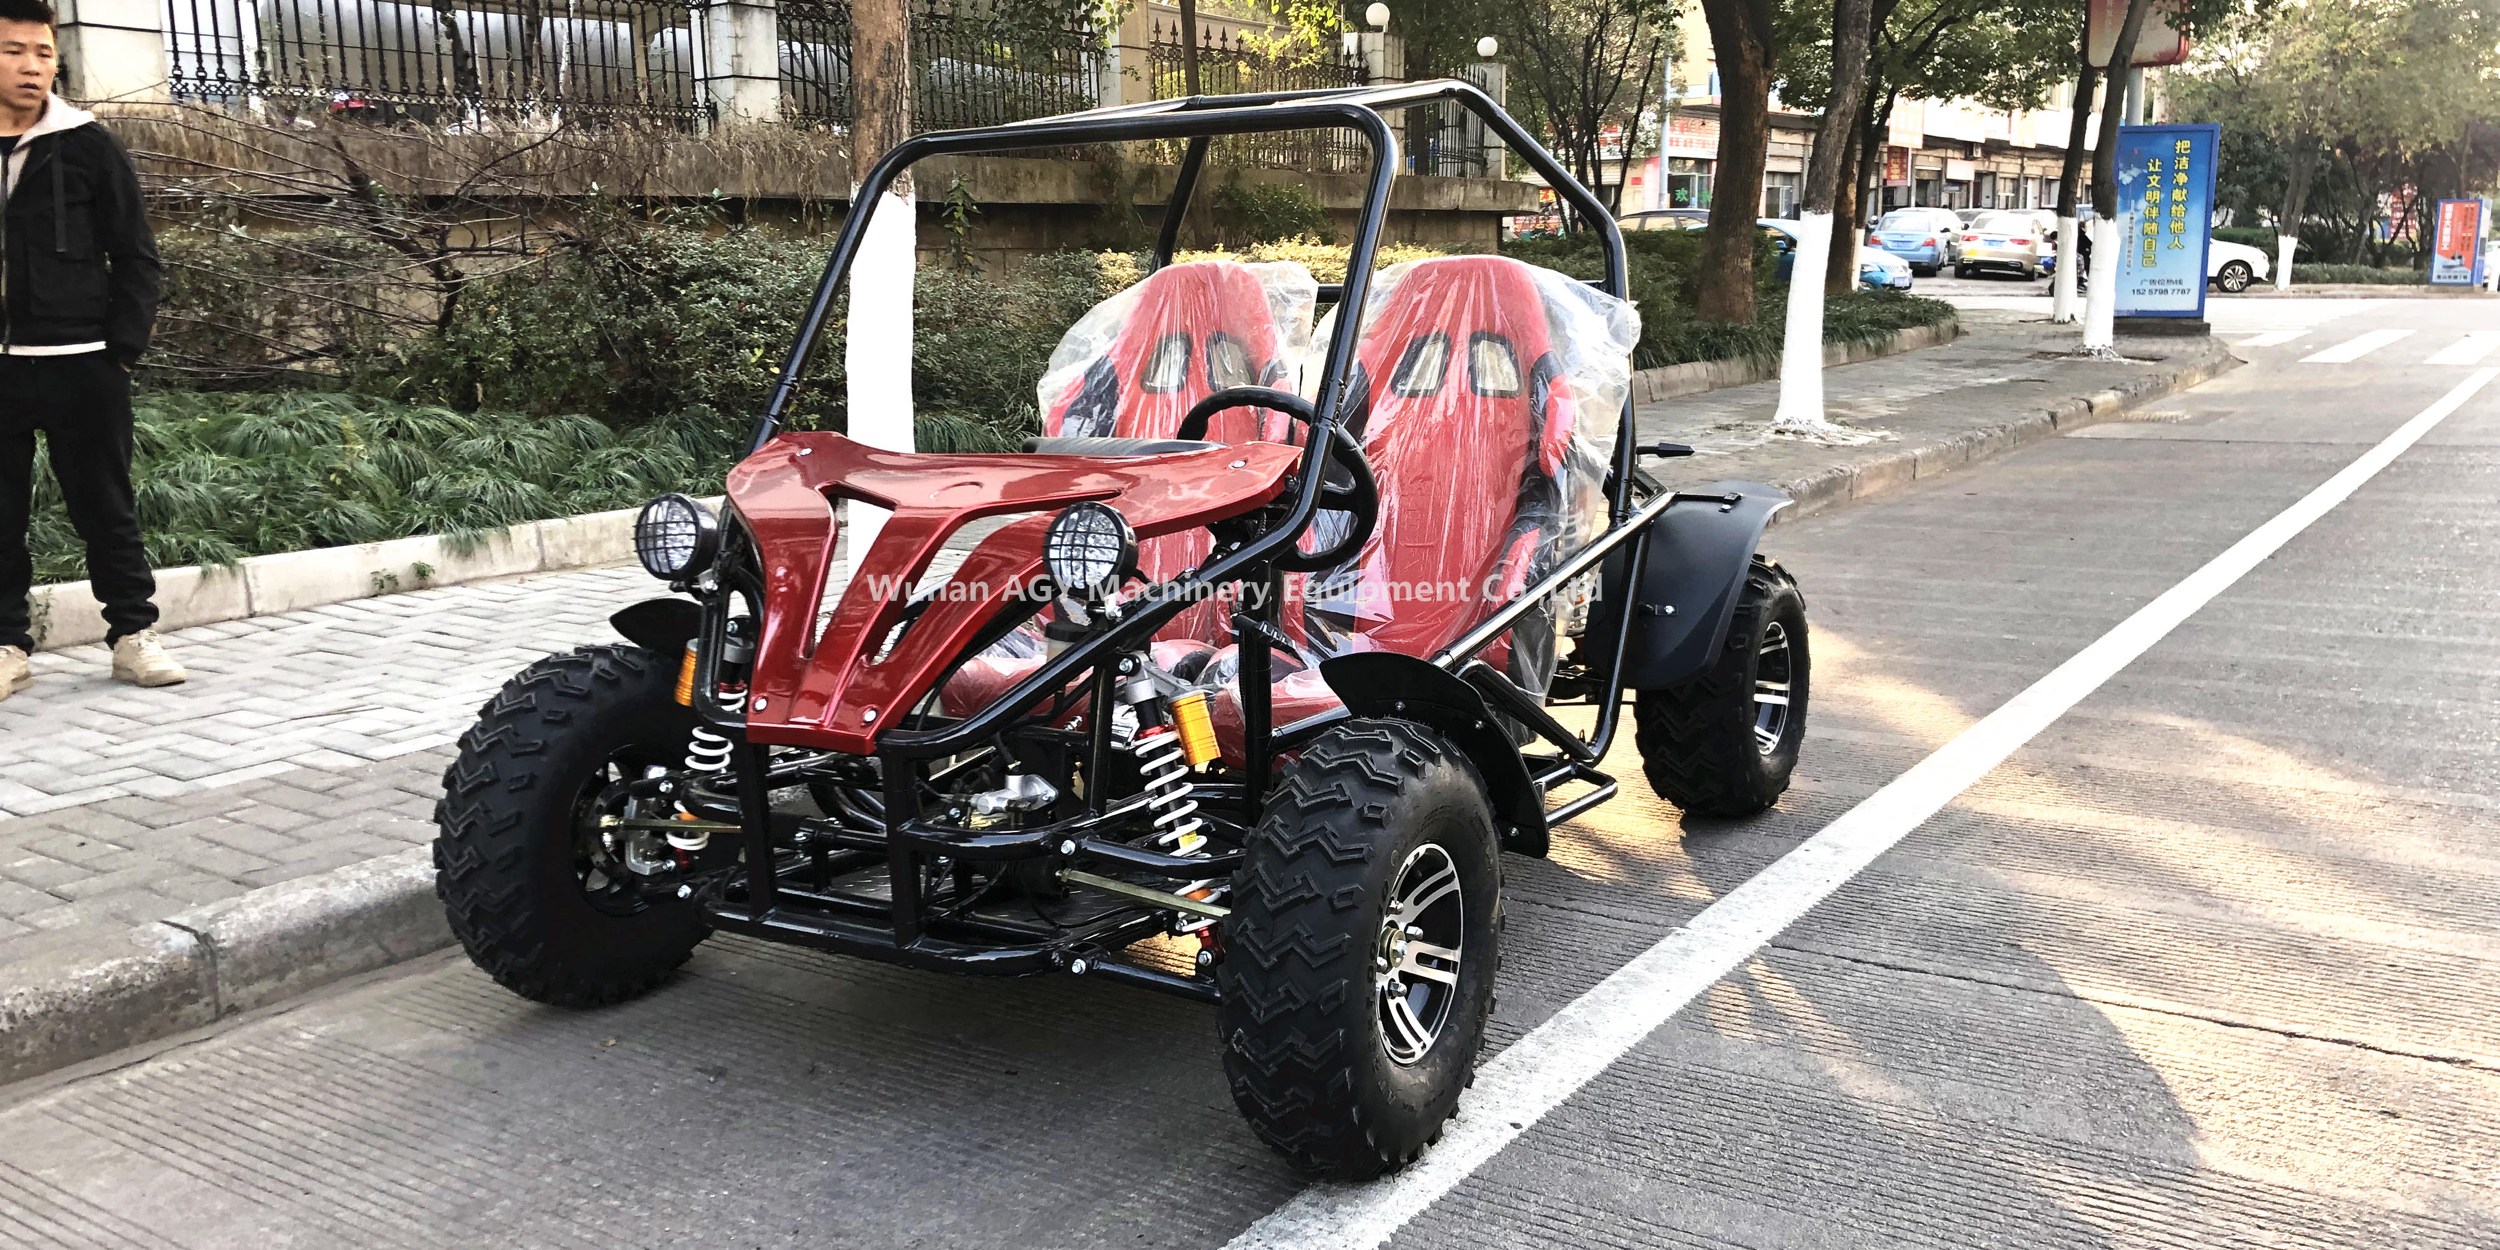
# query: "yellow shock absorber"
{"type": "Point", "coordinates": [1194, 715]}
{"type": "Point", "coordinates": [685, 677]}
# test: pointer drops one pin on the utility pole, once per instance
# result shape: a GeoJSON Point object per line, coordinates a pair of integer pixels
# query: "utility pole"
{"type": "Point", "coordinates": [877, 341]}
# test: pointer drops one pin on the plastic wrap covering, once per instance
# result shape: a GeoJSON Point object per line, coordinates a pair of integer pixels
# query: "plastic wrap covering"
{"type": "Point", "coordinates": [1133, 366]}
{"type": "Point", "coordinates": [1486, 393]}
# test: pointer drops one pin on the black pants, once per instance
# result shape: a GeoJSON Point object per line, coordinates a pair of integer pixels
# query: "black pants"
{"type": "Point", "coordinates": [81, 404]}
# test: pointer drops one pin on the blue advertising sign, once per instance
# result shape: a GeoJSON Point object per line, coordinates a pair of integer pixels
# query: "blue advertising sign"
{"type": "Point", "coordinates": [2457, 244]}
{"type": "Point", "coordinates": [2165, 218]}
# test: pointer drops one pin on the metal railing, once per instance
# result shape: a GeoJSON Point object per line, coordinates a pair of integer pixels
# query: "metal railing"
{"type": "Point", "coordinates": [973, 64]}
{"type": "Point", "coordinates": [440, 63]}
{"type": "Point", "coordinates": [1228, 64]}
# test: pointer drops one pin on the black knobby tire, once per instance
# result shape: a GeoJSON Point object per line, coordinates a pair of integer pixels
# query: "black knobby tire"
{"type": "Point", "coordinates": [2236, 276]}
{"type": "Point", "coordinates": [1307, 1045]}
{"type": "Point", "coordinates": [508, 830]}
{"type": "Point", "coordinates": [1699, 741]}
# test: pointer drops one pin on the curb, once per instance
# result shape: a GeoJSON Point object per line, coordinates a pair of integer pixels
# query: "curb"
{"type": "Point", "coordinates": [104, 994]}
{"type": "Point", "coordinates": [1848, 483]}
{"type": "Point", "coordinates": [67, 614]}
{"type": "Point", "coordinates": [275, 943]}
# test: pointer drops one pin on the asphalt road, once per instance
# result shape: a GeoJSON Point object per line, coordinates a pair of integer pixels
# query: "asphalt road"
{"type": "Point", "coordinates": [2207, 962]}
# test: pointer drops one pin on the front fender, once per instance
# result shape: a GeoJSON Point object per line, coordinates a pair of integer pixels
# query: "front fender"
{"type": "Point", "coordinates": [1681, 604]}
{"type": "Point", "coordinates": [661, 626]}
{"type": "Point", "coordinates": [1401, 687]}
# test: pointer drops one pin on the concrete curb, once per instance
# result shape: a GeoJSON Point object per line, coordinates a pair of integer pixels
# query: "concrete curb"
{"type": "Point", "coordinates": [67, 614]}
{"type": "Point", "coordinates": [285, 940]}
{"type": "Point", "coordinates": [92, 998]}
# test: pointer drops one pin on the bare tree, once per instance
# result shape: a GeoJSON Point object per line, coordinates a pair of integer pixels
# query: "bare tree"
{"type": "Point", "coordinates": [1741, 36]}
{"type": "Point", "coordinates": [1801, 371]}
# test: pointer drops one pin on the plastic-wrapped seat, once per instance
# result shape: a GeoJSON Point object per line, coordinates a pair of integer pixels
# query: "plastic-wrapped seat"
{"type": "Point", "coordinates": [1130, 369]}
{"type": "Point", "coordinates": [1482, 390]}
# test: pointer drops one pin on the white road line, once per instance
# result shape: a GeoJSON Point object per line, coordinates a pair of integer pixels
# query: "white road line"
{"type": "Point", "coordinates": [2348, 352]}
{"type": "Point", "coordinates": [2469, 350]}
{"type": "Point", "coordinates": [1555, 1059]}
{"type": "Point", "coordinates": [2271, 338]}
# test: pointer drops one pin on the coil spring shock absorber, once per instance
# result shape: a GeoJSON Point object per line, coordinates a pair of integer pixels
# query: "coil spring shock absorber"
{"type": "Point", "coordinates": [1165, 769]}
{"type": "Point", "coordinates": [707, 755]}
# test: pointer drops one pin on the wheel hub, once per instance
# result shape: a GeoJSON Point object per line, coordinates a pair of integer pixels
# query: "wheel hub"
{"type": "Point", "coordinates": [1773, 679]}
{"type": "Point", "coordinates": [1416, 960]}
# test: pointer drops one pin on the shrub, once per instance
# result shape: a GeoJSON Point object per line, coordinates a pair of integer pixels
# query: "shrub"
{"type": "Point", "coordinates": [1326, 261]}
{"type": "Point", "coordinates": [225, 475]}
{"type": "Point", "coordinates": [2363, 274]}
{"type": "Point", "coordinates": [1255, 212]}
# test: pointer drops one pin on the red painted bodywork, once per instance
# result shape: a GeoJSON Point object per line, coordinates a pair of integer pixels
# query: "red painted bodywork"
{"type": "Point", "coordinates": [831, 692]}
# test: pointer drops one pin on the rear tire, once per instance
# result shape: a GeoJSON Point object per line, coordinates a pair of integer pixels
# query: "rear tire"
{"type": "Point", "coordinates": [2236, 276]}
{"type": "Point", "coordinates": [517, 824]}
{"type": "Point", "coordinates": [1725, 743]}
{"type": "Point", "coordinates": [1361, 950]}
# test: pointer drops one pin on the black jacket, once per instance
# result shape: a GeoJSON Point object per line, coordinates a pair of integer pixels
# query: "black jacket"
{"type": "Point", "coordinates": [80, 261]}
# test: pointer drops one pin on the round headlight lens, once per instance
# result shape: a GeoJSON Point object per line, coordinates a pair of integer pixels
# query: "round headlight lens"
{"type": "Point", "coordinates": [1088, 547]}
{"type": "Point", "coordinates": [675, 537]}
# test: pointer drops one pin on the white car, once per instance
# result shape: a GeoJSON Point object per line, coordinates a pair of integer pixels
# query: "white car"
{"type": "Point", "coordinates": [2234, 266]}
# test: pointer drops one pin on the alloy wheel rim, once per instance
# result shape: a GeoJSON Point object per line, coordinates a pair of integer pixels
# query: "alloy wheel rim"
{"type": "Point", "coordinates": [1416, 962]}
{"type": "Point", "coordinates": [1772, 680]}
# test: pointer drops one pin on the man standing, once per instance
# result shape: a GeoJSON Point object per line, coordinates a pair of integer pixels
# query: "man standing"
{"type": "Point", "coordinates": [78, 288]}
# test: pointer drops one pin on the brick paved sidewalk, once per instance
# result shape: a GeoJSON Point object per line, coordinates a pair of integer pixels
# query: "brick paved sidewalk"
{"type": "Point", "coordinates": [316, 739]}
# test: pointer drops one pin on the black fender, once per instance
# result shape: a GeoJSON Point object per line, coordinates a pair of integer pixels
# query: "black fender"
{"type": "Point", "coordinates": [661, 626]}
{"type": "Point", "coordinates": [1690, 579]}
{"type": "Point", "coordinates": [1387, 684]}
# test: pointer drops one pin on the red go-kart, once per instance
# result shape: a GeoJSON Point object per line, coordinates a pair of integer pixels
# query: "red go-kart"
{"type": "Point", "coordinates": [1264, 661]}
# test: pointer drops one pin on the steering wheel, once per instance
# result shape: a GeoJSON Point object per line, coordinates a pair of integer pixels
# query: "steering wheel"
{"type": "Point", "coordinates": [1352, 490]}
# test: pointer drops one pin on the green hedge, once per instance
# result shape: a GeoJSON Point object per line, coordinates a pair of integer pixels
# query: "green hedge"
{"type": "Point", "coordinates": [2363, 274]}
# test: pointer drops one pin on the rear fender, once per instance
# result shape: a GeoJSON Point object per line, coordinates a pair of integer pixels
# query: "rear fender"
{"type": "Point", "coordinates": [1387, 684]}
{"type": "Point", "coordinates": [661, 626]}
{"type": "Point", "coordinates": [1691, 577]}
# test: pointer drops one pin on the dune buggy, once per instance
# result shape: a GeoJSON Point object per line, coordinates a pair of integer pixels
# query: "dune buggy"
{"type": "Point", "coordinates": [1281, 637]}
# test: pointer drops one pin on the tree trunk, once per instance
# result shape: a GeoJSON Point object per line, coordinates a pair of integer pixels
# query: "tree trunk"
{"type": "Point", "coordinates": [1801, 355]}
{"type": "Point", "coordinates": [2069, 278]}
{"type": "Point", "coordinates": [877, 335]}
{"type": "Point", "coordinates": [1189, 47]}
{"type": "Point", "coordinates": [1740, 32]}
{"type": "Point", "coordinates": [2099, 329]}
{"type": "Point", "coordinates": [1856, 208]}
{"type": "Point", "coordinates": [2302, 169]}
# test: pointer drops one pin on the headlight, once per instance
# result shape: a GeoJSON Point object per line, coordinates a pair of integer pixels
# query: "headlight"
{"type": "Point", "coordinates": [1088, 546]}
{"type": "Point", "coordinates": [676, 538]}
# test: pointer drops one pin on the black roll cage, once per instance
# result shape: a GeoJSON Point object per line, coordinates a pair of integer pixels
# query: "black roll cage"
{"type": "Point", "coordinates": [1634, 501]}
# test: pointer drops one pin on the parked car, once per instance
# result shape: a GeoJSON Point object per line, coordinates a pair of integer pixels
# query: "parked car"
{"type": "Point", "coordinates": [1928, 238]}
{"type": "Point", "coordinates": [1666, 219]}
{"type": "Point", "coordinates": [2234, 266]}
{"type": "Point", "coordinates": [1878, 270]}
{"type": "Point", "coordinates": [2002, 242]}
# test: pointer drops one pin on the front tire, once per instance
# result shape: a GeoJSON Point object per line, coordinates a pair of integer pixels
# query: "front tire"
{"type": "Point", "coordinates": [1361, 950]}
{"type": "Point", "coordinates": [1726, 742]}
{"type": "Point", "coordinates": [2235, 276]}
{"type": "Point", "coordinates": [535, 894]}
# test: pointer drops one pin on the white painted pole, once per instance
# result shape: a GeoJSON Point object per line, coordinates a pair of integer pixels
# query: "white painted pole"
{"type": "Point", "coordinates": [1801, 353]}
{"type": "Point", "coordinates": [2285, 247]}
{"type": "Point", "coordinates": [2062, 309]}
{"type": "Point", "coordinates": [876, 351]}
{"type": "Point", "coordinates": [2100, 305]}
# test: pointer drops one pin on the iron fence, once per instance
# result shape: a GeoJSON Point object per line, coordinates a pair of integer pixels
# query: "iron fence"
{"type": "Point", "coordinates": [1229, 64]}
{"type": "Point", "coordinates": [973, 64]}
{"type": "Point", "coordinates": [594, 62]}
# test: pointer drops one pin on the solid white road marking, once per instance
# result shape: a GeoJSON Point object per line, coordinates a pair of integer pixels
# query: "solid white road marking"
{"type": "Point", "coordinates": [2348, 352]}
{"type": "Point", "coordinates": [1555, 1059]}
{"type": "Point", "coordinates": [2271, 338]}
{"type": "Point", "coordinates": [2469, 350]}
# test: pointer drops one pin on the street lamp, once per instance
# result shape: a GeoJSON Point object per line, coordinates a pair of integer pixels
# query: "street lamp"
{"type": "Point", "coordinates": [1378, 16]}
{"type": "Point", "coordinates": [1488, 47]}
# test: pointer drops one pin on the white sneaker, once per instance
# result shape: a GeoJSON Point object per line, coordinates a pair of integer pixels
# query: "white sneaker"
{"type": "Point", "coordinates": [14, 674]}
{"type": "Point", "coordinates": [140, 659]}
